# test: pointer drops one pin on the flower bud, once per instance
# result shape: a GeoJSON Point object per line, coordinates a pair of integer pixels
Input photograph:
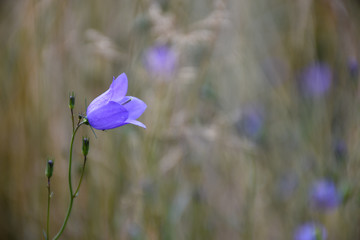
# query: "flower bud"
{"type": "Point", "coordinates": [85, 146]}
{"type": "Point", "coordinates": [49, 168]}
{"type": "Point", "coordinates": [72, 100]}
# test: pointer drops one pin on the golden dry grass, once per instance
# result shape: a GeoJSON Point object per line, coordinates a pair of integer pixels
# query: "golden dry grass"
{"type": "Point", "coordinates": [192, 174]}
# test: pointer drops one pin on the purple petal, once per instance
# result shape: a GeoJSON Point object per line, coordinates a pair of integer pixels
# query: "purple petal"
{"type": "Point", "coordinates": [99, 101]}
{"type": "Point", "coordinates": [118, 88]}
{"type": "Point", "coordinates": [116, 92]}
{"type": "Point", "coordinates": [134, 122]}
{"type": "Point", "coordinates": [134, 106]}
{"type": "Point", "coordinates": [108, 116]}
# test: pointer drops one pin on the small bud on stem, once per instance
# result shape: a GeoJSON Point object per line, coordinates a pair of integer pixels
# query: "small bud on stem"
{"type": "Point", "coordinates": [72, 101]}
{"type": "Point", "coordinates": [85, 146]}
{"type": "Point", "coordinates": [49, 168]}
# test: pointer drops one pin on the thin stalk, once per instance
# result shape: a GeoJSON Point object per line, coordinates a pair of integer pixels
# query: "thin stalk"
{"type": "Point", "coordinates": [48, 210]}
{"type": "Point", "coordinates": [72, 119]}
{"type": "Point", "coordinates": [81, 177]}
{"type": "Point", "coordinates": [70, 184]}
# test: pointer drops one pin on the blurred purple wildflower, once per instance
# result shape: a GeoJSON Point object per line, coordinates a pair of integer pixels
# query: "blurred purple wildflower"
{"type": "Point", "coordinates": [315, 80]}
{"type": "Point", "coordinates": [161, 61]}
{"type": "Point", "coordinates": [251, 122]}
{"type": "Point", "coordinates": [113, 109]}
{"type": "Point", "coordinates": [353, 66]}
{"type": "Point", "coordinates": [310, 231]}
{"type": "Point", "coordinates": [324, 195]}
{"type": "Point", "coordinates": [340, 149]}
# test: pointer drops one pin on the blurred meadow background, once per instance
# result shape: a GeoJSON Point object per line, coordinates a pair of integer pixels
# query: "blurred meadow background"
{"type": "Point", "coordinates": [252, 120]}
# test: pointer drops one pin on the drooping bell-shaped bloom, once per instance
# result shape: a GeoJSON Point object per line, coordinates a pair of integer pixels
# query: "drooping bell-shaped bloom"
{"type": "Point", "coordinates": [316, 80]}
{"type": "Point", "coordinates": [324, 195]}
{"type": "Point", "coordinates": [113, 109]}
{"type": "Point", "coordinates": [310, 231]}
{"type": "Point", "coordinates": [161, 61]}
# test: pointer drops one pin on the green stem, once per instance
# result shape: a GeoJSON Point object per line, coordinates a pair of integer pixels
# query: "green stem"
{"type": "Point", "coordinates": [81, 177]}
{"type": "Point", "coordinates": [48, 210]}
{"type": "Point", "coordinates": [70, 184]}
{"type": "Point", "coordinates": [72, 119]}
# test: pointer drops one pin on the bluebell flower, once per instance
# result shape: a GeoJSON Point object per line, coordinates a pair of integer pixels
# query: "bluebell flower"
{"type": "Point", "coordinates": [251, 122]}
{"type": "Point", "coordinates": [310, 231]}
{"type": "Point", "coordinates": [113, 109]}
{"type": "Point", "coordinates": [161, 61]}
{"type": "Point", "coordinates": [316, 80]}
{"type": "Point", "coordinates": [324, 195]}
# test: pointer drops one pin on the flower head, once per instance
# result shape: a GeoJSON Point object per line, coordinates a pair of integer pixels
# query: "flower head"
{"type": "Point", "coordinates": [310, 231]}
{"type": "Point", "coordinates": [251, 122]}
{"type": "Point", "coordinates": [316, 80]}
{"type": "Point", "coordinates": [113, 109]}
{"type": "Point", "coordinates": [324, 195]}
{"type": "Point", "coordinates": [161, 61]}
